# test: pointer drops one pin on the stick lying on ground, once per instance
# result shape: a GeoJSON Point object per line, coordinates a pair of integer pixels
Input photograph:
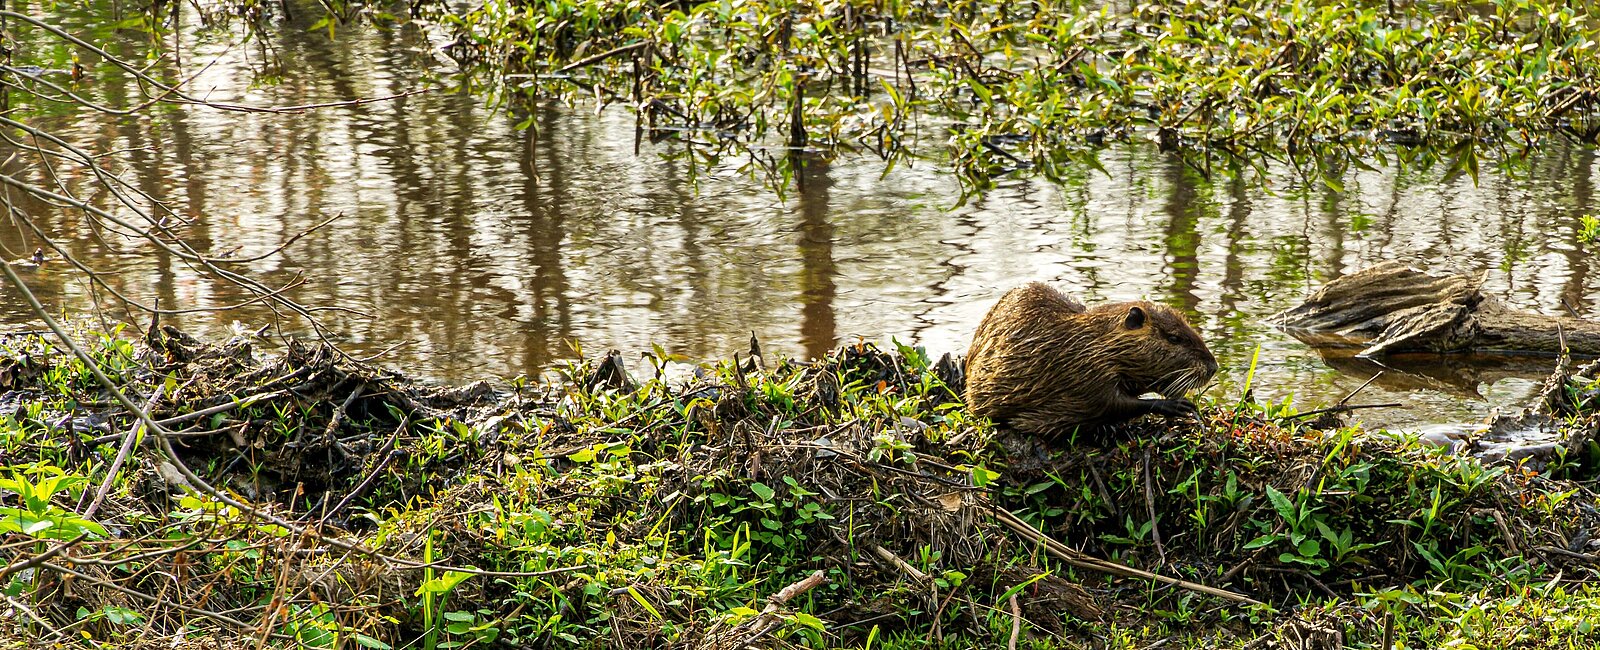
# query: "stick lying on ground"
{"type": "Point", "coordinates": [1067, 554]}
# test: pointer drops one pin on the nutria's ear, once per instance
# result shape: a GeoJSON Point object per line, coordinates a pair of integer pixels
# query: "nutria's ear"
{"type": "Point", "coordinates": [1135, 319]}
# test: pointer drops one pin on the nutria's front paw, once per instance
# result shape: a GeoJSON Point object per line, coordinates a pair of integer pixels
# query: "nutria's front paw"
{"type": "Point", "coordinates": [1174, 408]}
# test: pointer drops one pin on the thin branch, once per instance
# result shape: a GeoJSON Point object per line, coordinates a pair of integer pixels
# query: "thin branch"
{"type": "Point", "coordinates": [1067, 554]}
{"type": "Point", "coordinates": [23, 565]}
{"type": "Point", "coordinates": [122, 455]}
{"type": "Point", "coordinates": [1342, 409]}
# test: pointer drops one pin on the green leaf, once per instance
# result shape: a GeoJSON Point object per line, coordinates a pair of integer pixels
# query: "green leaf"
{"type": "Point", "coordinates": [981, 91]}
{"type": "Point", "coordinates": [638, 597]}
{"type": "Point", "coordinates": [36, 526]}
{"type": "Point", "coordinates": [762, 491]}
{"type": "Point", "coordinates": [369, 642]}
{"type": "Point", "coordinates": [122, 615]}
{"type": "Point", "coordinates": [443, 584]}
{"type": "Point", "coordinates": [889, 89]}
{"type": "Point", "coordinates": [1019, 587]}
{"type": "Point", "coordinates": [808, 620]}
{"type": "Point", "coordinates": [1281, 504]}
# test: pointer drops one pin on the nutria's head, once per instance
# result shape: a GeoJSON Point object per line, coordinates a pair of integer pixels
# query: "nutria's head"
{"type": "Point", "coordinates": [1156, 349]}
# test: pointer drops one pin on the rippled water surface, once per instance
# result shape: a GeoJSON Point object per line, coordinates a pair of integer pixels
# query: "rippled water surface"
{"type": "Point", "coordinates": [484, 249]}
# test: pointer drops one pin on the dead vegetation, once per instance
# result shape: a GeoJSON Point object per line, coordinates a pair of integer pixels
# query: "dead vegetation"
{"type": "Point", "coordinates": [841, 502]}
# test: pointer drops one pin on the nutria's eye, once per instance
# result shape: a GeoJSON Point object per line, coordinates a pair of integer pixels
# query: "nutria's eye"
{"type": "Point", "coordinates": [1174, 339]}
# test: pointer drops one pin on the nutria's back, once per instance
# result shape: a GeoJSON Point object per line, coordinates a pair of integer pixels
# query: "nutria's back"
{"type": "Point", "coordinates": [1043, 363]}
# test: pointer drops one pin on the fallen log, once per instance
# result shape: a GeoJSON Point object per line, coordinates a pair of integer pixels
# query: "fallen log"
{"type": "Point", "coordinates": [1393, 308]}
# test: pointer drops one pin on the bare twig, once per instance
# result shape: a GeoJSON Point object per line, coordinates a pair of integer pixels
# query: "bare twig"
{"type": "Point", "coordinates": [149, 598]}
{"type": "Point", "coordinates": [1228, 575]}
{"type": "Point", "coordinates": [182, 250]}
{"type": "Point", "coordinates": [246, 402]}
{"type": "Point", "coordinates": [1067, 554]}
{"type": "Point", "coordinates": [1342, 409]}
{"type": "Point", "coordinates": [23, 565]}
{"type": "Point", "coordinates": [33, 615]}
{"type": "Point", "coordinates": [894, 560]}
{"type": "Point", "coordinates": [186, 417]}
{"type": "Point", "coordinates": [768, 619]}
{"type": "Point", "coordinates": [1500, 523]}
{"type": "Point", "coordinates": [122, 455]}
{"type": "Point", "coordinates": [1016, 623]}
{"type": "Point", "coordinates": [172, 93]}
{"type": "Point", "coordinates": [280, 247]}
{"type": "Point", "coordinates": [591, 60]}
{"type": "Point", "coordinates": [338, 416]}
{"type": "Point", "coordinates": [385, 454]}
{"type": "Point", "coordinates": [1348, 396]}
{"type": "Point", "coordinates": [1150, 509]}
{"type": "Point", "coordinates": [1556, 550]}
{"type": "Point", "coordinates": [1388, 629]}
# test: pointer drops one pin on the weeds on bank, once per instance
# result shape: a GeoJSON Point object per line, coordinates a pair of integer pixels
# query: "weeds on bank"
{"type": "Point", "coordinates": [676, 509]}
{"type": "Point", "coordinates": [1039, 87]}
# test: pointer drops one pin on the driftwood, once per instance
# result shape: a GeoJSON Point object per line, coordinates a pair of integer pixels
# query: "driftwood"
{"type": "Point", "coordinates": [1405, 316]}
{"type": "Point", "coordinates": [1392, 308]}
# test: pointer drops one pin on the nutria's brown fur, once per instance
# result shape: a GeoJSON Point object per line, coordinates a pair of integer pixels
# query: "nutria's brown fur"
{"type": "Point", "coordinates": [1043, 364]}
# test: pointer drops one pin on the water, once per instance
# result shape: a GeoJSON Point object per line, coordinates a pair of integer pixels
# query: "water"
{"type": "Point", "coordinates": [482, 251]}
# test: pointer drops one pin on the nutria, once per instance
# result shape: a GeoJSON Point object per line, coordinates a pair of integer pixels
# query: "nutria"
{"type": "Point", "coordinates": [1042, 363]}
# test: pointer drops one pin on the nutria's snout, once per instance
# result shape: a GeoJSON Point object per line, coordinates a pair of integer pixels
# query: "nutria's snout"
{"type": "Point", "coordinates": [1189, 378]}
{"type": "Point", "coordinates": [1205, 370]}
{"type": "Point", "coordinates": [1210, 363]}
{"type": "Point", "coordinates": [1204, 377]}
